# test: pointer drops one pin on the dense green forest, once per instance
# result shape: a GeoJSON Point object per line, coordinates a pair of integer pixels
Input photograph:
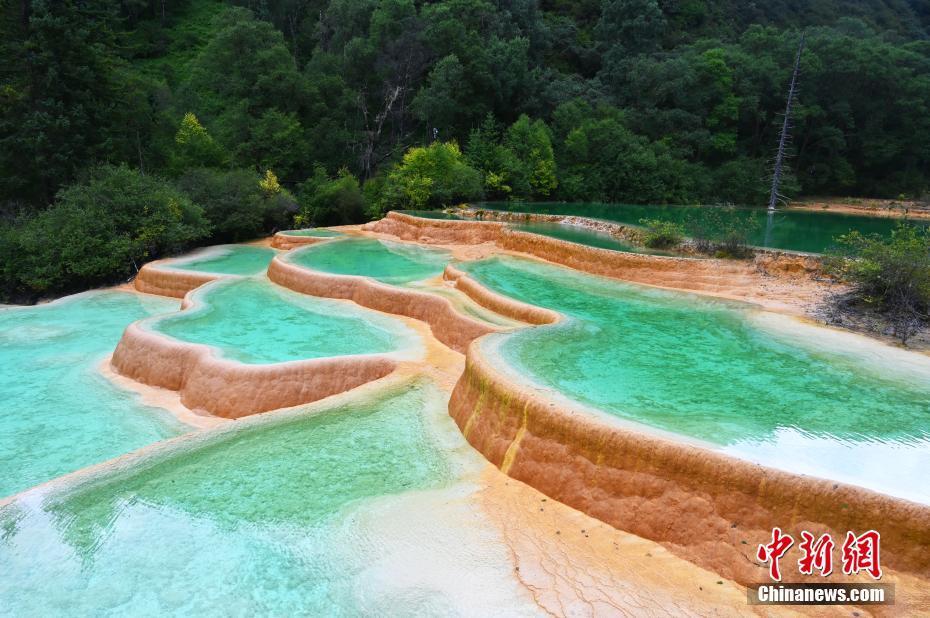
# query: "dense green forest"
{"type": "Point", "coordinates": [133, 129]}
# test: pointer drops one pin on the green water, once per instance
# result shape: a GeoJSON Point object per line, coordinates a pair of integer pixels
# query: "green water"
{"type": "Point", "coordinates": [228, 260]}
{"type": "Point", "coordinates": [576, 234]}
{"type": "Point", "coordinates": [317, 232]}
{"type": "Point", "coordinates": [356, 510]}
{"type": "Point", "coordinates": [255, 321]}
{"type": "Point", "coordinates": [796, 230]}
{"type": "Point", "coordinates": [57, 412]}
{"type": "Point", "coordinates": [432, 214]}
{"type": "Point", "coordinates": [714, 371]}
{"type": "Point", "coordinates": [389, 262]}
{"type": "Point", "coordinates": [571, 233]}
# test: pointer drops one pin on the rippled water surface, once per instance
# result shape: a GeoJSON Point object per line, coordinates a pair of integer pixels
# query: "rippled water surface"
{"type": "Point", "coordinates": [255, 321]}
{"type": "Point", "coordinates": [57, 412]}
{"type": "Point", "coordinates": [390, 262]}
{"type": "Point", "coordinates": [770, 390]}
{"type": "Point", "coordinates": [798, 230]}
{"type": "Point", "coordinates": [228, 260]}
{"type": "Point", "coordinates": [362, 509]}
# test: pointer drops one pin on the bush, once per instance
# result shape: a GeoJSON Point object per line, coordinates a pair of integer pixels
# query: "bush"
{"type": "Point", "coordinates": [662, 234]}
{"type": "Point", "coordinates": [331, 201]}
{"type": "Point", "coordinates": [236, 204]}
{"type": "Point", "coordinates": [97, 232]}
{"type": "Point", "coordinates": [892, 274]}
{"type": "Point", "coordinates": [723, 231]}
{"type": "Point", "coordinates": [432, 177]}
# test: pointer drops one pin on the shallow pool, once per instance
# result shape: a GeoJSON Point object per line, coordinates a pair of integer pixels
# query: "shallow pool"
{"type": "Point", "coordinates": [314, 231]}
{"type": "Point", "coordinates": [760, 386]}
{"type": "Point", "coordinates": [227, 260]}
{"type": "Point", "coordinates": [797, 230]}
{"type": "Point", "coordinates": [255, 321]}
{"type": "Point", "coordinates": [577, 234]}
{"type": "Point", "coordinates": [360, 509]}
{"type": "Point", "coordinates": [58, 413]}
{"type": "Point", "coordinates": [389, 262]}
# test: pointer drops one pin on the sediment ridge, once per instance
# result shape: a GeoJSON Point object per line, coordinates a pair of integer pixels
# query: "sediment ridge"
{"type": "Point", "coordinates": [173, 283]}
{"type": "Point", "coordinates": [286, 242]}
{"type": "Point", "coordinates": [708, 507]}
{"type": "Point", "coordinates": [709, 275]}
{"type": "Point", "coordinates": [448, 325]}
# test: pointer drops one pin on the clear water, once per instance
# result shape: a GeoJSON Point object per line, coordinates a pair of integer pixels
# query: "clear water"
{"type": "Point", "coordinates": [577, 234]}
{"type": "Point", "coordinates": [571, 233]}
{"type": "Point", "coordinates": [432, 214]}
{"type": "Point", "coordinates": [229, 260]}
{"type": "Point", "coordinates": [389, 262]}
{"type": "Point", "coordinates": [315, 231]}
{"type": "Point", "coordinates": [362, 509]}
{"type": "Point", "coordinates": [796, 230]}
{"type": "Point", "coordinates": [785, 395]}
{"type": "Point", "coordinates": [57, 412]}
{"type": "Point", "coordinates": [255, 321]}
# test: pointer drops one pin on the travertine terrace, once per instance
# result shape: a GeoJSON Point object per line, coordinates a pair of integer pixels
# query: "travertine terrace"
{"type": "Point", "coordinates": [704, 506]}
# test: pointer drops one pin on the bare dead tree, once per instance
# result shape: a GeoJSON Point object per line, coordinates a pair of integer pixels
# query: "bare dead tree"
{"type": "Point", "coordinates": [784, 137]}
{"type": "Point", "coordinates": [374, 126]}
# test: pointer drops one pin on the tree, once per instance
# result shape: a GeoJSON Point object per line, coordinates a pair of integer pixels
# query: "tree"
{"type": "Point", "coordinates": [891, 274]}
{"type": "Point", "coordinates": [60, 93]}
{"type": "Point", "coordinates": [432, 176]}
{"type": "Point", "coordinates": [193, 147]}
{"type": "Point", "coordinates": [247, 88]}
{"type": "Point", "coordinates": [236, 202]}
{"type": "Point", "coordinates": [99, 231]}
{"type": "Point", "coordinates": [531, 144]}
{"type": "Point", "coordinates": [330, 201]}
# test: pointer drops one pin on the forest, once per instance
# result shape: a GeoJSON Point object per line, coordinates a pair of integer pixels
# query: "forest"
{"type": "Point", "coordinates": [132, 130]}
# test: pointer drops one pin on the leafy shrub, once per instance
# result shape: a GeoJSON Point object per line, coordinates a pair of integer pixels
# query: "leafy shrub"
{"type": "Point", "coordinates": [97, 232]}
{"type": "Point", "coordinates": [331, 201]}
{"type": "Point", "coordinates": [723, 231]}
{"type": "Point", "coordinates": [892, 274]}
{"type": "Point", "coordinates": [431, 177]}
{"type": "Point", "coordinates": [662, 234]}
{"type": "Point", "coordinates": [194, 147]}
{"type": "Point", "coordinates": [236, 203]}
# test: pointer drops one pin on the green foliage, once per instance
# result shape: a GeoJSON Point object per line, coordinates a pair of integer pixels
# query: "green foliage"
{"type": "Point", "coordinates": [330, 201]}
{"type": "Point", "coordinates": [246, 86]}
{"type": "Point", "coordinates": [662, 234]}
{"type": "Point", "coordinates": [622, 100]}
{"type": "Point", "coordinates": [892, 274]}
{"type": "Point", "coordinates": [97, 232]}
{"type": "Point", "coordinates": [60, 95]}
{"type": "Point", "coordinates": [193, 147]}
{"type": "Point", "coordinates": [236, 204]}
{"type": "Point", "coordinates": [531, 144]}
{"type": "Point", "coordinates": [430, 177]}
{"type": "Point", "coordinates": [723, 231]}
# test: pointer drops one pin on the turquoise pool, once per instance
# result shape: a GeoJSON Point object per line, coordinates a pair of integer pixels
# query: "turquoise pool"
{"type": "Point", "coordinates": [389, 262]}
{"type": "Point", "coordinates": [228, 260]}
{"type": "Point", "coordinates": [362, 508]}
{"type": "Point", "coordinates": [797, 230]}
{"type": "Point", "coordinates": [315, 231]}
{"type": "Point", "coordinates": [753, 384]}
{"type": "Point", "coordinates": [255, 321]}
{"type": "Point", "coordinates": [57, 412]}
{"type": "Point", "coordinates": [578, 234]}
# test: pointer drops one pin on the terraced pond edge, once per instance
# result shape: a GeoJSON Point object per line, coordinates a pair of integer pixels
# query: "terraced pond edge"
{"type": "Point", "coordinates": [683, 273]}
{"type": "Point", "coordinates": [449, 326]}
{"type": "Point", "coordinates": [230, 389]}
{"type": "Point", "coordinates": [702, 504]}
{"type": "Point", "coordinates": [285, 241]}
